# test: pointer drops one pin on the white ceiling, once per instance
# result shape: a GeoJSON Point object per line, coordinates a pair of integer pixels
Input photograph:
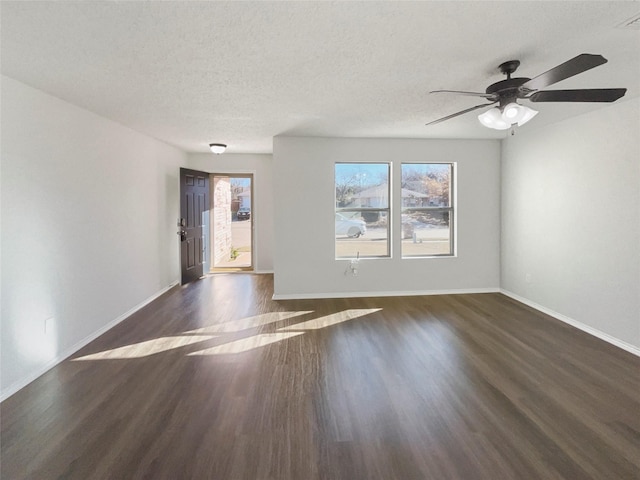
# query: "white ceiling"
{"type": "Point", "coordinates": [189, 73]}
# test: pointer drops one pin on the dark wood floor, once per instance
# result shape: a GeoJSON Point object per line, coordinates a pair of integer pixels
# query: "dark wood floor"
{"type": "Point", "coordinates": [217, 381]}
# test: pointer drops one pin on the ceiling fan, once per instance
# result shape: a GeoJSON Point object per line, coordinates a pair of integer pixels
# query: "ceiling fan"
{"type": "Point", "coordinates": [505, 93]}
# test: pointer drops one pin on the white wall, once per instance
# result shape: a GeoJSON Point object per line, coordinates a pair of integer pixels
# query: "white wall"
{"type": "Point", "coordinates": [260, 165]}
{"type": "Point", "coordinates": [304, 194]}
{"type": "Point", "coordinates": [88, 227]}
{"type": "Point", "coordinates": [571, 219]}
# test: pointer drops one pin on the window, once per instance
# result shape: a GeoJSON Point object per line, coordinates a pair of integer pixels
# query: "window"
{"type": "Point", "coordinates": [362, 210]}
{"type": "Point", "coordinates": [427, 209]}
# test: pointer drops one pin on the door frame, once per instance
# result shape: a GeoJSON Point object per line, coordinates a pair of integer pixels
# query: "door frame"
{"type": "Point", "coordinates": [234, 174]}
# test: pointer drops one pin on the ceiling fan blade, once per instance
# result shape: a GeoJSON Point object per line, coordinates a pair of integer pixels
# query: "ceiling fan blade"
{"type": "Point", "coordinates": [585, 95]}
{"type": "Point", "coordinates": [490, 96]}
{"type": "Point", "coordinates": [576, 65]}
{"type": "Point", "coordinates": [460, 113]}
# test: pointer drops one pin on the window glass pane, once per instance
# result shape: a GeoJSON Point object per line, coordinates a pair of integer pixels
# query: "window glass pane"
{"type": "Point", "coordinates": [426, 185]}
{"type": "Point", "coordinates": [426, 233]}
{"type": "Point", "coordinates": [362, 210]}
{"type": "Point", "coordinates": [362, 185]}
{"type": "Point", "coordinates": [373, 242]}
{"type": "Point", "coordinates": [427, 209]}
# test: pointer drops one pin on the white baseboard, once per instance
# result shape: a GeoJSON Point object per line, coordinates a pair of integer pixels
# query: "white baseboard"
{"type": "Point", "coordinates": [409, 293]}
{"type": "Point", "coordinates": [575, 323]}
{"type": "Point", "coordinates": [20, 384]}
{"type": "Point", "coordinates": [246, 272]}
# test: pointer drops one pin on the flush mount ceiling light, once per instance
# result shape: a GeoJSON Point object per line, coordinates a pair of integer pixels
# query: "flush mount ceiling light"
{"type": "Point", "coordinates": [217, 148]}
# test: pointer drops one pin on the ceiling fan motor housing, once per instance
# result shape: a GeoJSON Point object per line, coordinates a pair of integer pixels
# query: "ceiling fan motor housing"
{"type": "Point", "coordinates": [507, 91]}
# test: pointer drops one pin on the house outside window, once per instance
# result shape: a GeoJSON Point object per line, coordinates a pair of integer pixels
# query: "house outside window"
{"type": "Point", "coordinates": [362, 215]}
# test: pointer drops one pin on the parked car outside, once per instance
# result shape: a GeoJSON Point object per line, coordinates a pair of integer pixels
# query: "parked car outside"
{"type": "Point", "coordinates": [349, 227]}
{"type": "Point", "coordinates": [244, 213]}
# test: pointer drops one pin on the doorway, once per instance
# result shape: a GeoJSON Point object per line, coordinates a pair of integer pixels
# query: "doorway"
{"type": "Point", "coordinates": [192, 224]}
{"type": "Point", "coordinates": [232, 222]}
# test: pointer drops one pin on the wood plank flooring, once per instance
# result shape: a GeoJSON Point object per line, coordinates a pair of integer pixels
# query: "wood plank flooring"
{"type": "Point", "coordinates": [215, 380]}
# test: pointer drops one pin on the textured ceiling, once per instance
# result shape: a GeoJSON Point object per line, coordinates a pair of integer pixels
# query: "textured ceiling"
{"type": "Point", "coordinates": [189, 73]}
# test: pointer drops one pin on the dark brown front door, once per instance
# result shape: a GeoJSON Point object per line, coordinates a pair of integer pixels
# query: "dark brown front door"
{"type": "Point", "coordinates": [194, 204]}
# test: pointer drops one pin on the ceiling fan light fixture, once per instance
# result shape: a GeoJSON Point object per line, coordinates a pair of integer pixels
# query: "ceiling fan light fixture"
{"type": "Point", "coordinates": [512, 113]}
{"type": "Point", "coordinates": [528, 114]}
{"type": "Point", "coordinates": [217, 148]}
{"type": "Point", "coordinates": [492, 118]}
{"type": "Point", "coordinates": [515, 113]}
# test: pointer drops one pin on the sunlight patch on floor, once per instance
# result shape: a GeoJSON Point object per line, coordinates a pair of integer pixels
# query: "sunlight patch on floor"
{"type": "Point", "coordinates": [249, 322]}
{"type": "Point", "coordinates": [149, 347]}
{"type": "Point", "coordinates": [165, 344]}
{"type": "Point", "coordinates": [246, 344]}
{"type": "Point", "coordinates": [333, 319]}
{"type": "Point", "coordinates": [284, 333]}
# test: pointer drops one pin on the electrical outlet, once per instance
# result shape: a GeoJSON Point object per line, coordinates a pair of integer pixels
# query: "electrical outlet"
{"type": "Point", "coordinates": [48, 325]}
{"type": "Point", "coordinates": [527, 278]}
{"type": "Point", "coordinates": [352, 267]}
